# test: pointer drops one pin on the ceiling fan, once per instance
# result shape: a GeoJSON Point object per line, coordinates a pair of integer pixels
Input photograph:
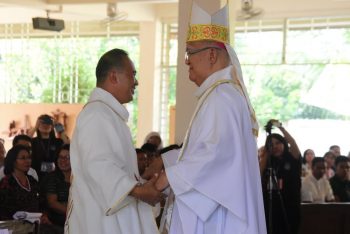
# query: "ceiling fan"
{"type": "Point", "coordinates": [248, 11]}
{"type": "Point", "coordinates": [113, 14]}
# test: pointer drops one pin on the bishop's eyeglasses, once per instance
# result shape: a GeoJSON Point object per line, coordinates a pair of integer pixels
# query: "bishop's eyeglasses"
{"type": "Point", "coordinates": [189, 52]}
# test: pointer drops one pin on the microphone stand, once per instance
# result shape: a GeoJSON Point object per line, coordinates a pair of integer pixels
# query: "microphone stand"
{"type": "Point", "coordinates": [272, 185]}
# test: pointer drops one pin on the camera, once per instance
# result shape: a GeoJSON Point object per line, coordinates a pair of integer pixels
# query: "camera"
{"type": "Point", "coordinates": [272, 123]}
{"type": "Point", "coordinates": [59, 127]}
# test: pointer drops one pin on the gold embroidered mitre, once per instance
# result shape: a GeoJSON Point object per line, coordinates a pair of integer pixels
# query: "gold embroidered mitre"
{"type": "Point", "coordinates": [204, 26]}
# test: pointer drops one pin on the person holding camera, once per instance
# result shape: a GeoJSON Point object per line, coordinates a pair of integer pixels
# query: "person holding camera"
{"type": "Point", "coordinates": [280, 163]}
{"type": "Point", "coordinates": [45, 146]}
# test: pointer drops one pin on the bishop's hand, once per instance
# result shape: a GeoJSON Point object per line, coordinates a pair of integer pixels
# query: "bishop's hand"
{"type": "Point", "coordinates": [147, 192]}
{"type": "Point", "coordinates": [154, 168]}
{"type": "Point", "coordinates": [162, 181]}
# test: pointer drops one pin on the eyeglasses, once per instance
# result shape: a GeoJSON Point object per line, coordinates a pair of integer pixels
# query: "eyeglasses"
{"type": "Point", "coordinates": [188, 52]}
{"type": "Point", "coordinates": [64, 157]}
{"type": "Point", "coordinates": [24, 158]}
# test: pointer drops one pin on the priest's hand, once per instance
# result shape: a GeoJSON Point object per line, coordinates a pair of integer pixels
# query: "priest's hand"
{"type": "Point", "coordinates": [154, 168]}
{"type": "Point", "coordinates": [147, 192]}
{"type": "Point", "coordinates": [162, 181]}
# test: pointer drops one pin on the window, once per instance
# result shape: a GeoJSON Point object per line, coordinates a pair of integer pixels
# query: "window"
{"type": "Point", "coordinates": [298, 71]}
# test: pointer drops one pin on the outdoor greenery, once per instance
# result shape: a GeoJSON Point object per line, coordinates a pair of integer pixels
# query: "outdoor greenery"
{"type": "Point", "coordinates": [51, 70]}
{"type": "Point", "coordinates": [279, 84]}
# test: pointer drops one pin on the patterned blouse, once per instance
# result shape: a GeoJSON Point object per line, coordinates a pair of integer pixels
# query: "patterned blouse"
{"type": "Point", "coordinates": [14, 197]}
{"type": "Point", "coordinates": [58, 186]}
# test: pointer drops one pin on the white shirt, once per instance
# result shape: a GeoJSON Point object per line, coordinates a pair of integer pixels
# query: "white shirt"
{"type": "Point", "coordinates": [104, 169]}
{"type": "Point", "coordinates": [313, 190]}
{"type": "Point", "coordinates": [217, 183]}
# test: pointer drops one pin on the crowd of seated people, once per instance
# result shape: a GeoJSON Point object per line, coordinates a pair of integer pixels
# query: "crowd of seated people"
{"type": "Point", "coordinates": [36, 171]}
{"type": "Point", "coordinates": [297, 179]}
{"type": "Point", "coordinates": [35, 178]}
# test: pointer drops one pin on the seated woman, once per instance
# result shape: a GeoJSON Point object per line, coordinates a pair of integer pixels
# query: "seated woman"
{"type": "Point", "coordinates": [308, 156]}
{"type": "Point", "coordinates": [57, 187]}
{"type": "Point", "coordinates": [18, 190]}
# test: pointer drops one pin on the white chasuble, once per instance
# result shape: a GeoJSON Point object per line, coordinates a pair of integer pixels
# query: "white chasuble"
{"type": "Point", "coordinates": [104, 169]}
{"type": "Point", "coordinates": [216, 180]}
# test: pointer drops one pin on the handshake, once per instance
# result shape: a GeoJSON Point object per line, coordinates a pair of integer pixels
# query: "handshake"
{"type": "Point", "coordinates": [272, 123]}
{"type": "Point", "coordinates": [151, 192]}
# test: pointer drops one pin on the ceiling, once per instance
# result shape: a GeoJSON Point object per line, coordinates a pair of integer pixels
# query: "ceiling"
{"type": "Point", "coordinates": [21, 11]}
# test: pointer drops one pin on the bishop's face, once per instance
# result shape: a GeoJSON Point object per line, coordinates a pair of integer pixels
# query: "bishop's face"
{"type": "Point", "coordinates": [197, 60]}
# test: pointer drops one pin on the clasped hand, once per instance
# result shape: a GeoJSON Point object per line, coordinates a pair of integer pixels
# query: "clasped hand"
{"type": "Point", "coordinates": [148, 192]}
{"type": "Point", "coordinates": [151, 191]}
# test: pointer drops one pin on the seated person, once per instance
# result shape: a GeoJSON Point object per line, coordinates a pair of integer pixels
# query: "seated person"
{"type": "Point", "coordinates": [335, 149]}
{"type": "Point", "coordinates": [340, 182]}
{"type": "Point", "coordinates": [329, 158]}
{"type": "Point", "coordinates": [155, 139]}
{"type": "Point", "coordinates": [26, 141]}
{"type": "Point", "coordinates": [18, 190]}
{"type": "Point", "coordinates": [142, 163]}
{"type": "Point", "coordinates": [315, 187]}
{"type": "Point", "coordinates": [151, 151]}
{"type": "Point", "coordinates": [308, 156]}
{"type": "Point", "coordinates": [57, 187]}
{"type": "Point", "coordinates": [2, 155]}
{"type": "Point", "coordinates": [18, 140]}
{"type": "Point", "coordinates": [142, 160]}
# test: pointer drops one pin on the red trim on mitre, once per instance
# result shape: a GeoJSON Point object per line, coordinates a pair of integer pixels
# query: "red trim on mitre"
{"type": "Point", "coordinates": [220, 45]}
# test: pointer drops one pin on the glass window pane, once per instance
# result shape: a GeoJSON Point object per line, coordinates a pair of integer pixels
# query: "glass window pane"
{"type": "Point", "coordinates": [318, 46]}
{"type": "Point", "coordinates": [259, 47]}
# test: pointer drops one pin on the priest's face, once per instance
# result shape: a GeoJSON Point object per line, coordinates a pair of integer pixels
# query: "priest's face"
{"type": "Point", "coordinates": [197, 60]}
{"type": "Point", "coordinates": [125, 82]}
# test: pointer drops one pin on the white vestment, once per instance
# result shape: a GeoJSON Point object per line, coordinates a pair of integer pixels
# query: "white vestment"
{"type": "Point", "coordinates": [217, 183]}
{"type": "Point", "coordinates": [104, 170]}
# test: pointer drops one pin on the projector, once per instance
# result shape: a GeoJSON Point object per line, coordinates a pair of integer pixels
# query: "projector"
{"type": "Point", "coordinates": [48, 24]}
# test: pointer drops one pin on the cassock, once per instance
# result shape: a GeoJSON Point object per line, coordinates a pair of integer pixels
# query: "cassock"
{"type": "Point", "coordinates": [104, 170]}
{"type": "Point", "coordinates": [216, 180]}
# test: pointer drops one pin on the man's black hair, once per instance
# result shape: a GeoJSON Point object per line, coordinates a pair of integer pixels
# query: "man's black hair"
{"type": "Point", "coordinates": [149, 148]}
{"type": "Point", "coordinates": [317, 160]}
{"type": "Point", "coordinates": [341, 159]}
{"type": "Point", "coordinates": [112, 59]}
{"type": "Point", "coordinates": [21, 137]}
{"type": "Point", "coordinates": [138, 150]}
{"type": "Point", "coordinates": [11, 157]}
